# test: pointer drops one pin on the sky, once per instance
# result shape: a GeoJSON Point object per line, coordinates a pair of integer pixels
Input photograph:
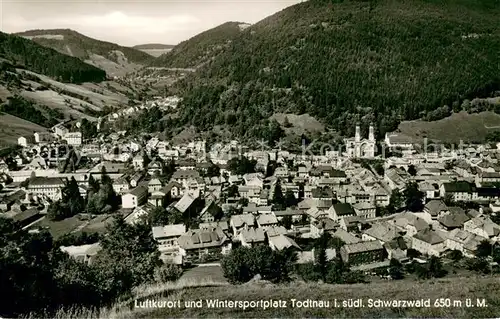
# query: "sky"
{"type": "Point", "coordinates": [132, 22]}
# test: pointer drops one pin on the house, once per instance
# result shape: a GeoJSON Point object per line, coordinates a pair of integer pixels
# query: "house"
{"type": "Point", "coordinates": [365, 210]}
{"type": "Point", "coordinates": [322, 225]}
{"type": "Point", "coordinates": [381, 231]}
{"type": "Point", "coordinates": [455, 217]}
{"type": "Point", "coordinates": [483, 226]}
{"type": "Point", "coordinates": [409, 223]}
{"type": "Point", "coordinates": [239, 222]}
{"type": "Point", "coordinates": [322, 194]}
{"type": "Point", "coordinates": [431, 190]}
{"type": "Point", "coordinates": [135, 197]}
{"type": "Point", "coordinates": [73, 138]}
{"type": "Point", "coordinates": [154, 185]}
{"type": "Point", "coordinates": [340, 210]}
{"type": "Point", "coordinates": [251, 237]}
{"type": "Point", "coordinates": [430, 242]}
{"type": "Point", "coordinates": [364, 252]}
{"type": "Point", "coordinates": [137, 213]}
{"type": "Point", "coordinates": [295, 214]}
{"type": "Point", "coordinates": [182, 176]}
{"type": "Point", "coordinates": [155, 167]}
{"type": "Point", "coordinates": [397, 249]}
{"type": "Point", "coordinates": [136, 178]}
{"type": "Point", "coordinates": [224, 225]}
{"type": "Point", "coordinates": [121, 185]}
{"type": "Point", "coordinates": [46, 186]}
{"type": "Point", "coordinates": [138, 162]}
{"type": "Point", "coordinates": [167, 238]}
{"type": "Point", "coordinates": [435, 208]}
{"type": "Point", "coordinates": [204, 244]}
{"type": "Point", "coordinates": [211, 212]}
{"type": "Point", "coordinates": [281, 242]}
{"type": "Point", "coordinates": [351, 223]}
{"type": "Point", "coordinates": [24, 141]}
{"type": "Point", "coordinates": [459, 191]}
{"type": "Point", "coordinates": [345, 236]}
{"type": "Point", "coordinates": [174, 190]}
{"type": "Point", "coordinates": [82, 253]}
{"type": "Point", "coordinates": [188, 205]}
{"type": "Point", "coordinates": [464, 241]}
{"type": "Point", "coordinates": [266, 220]}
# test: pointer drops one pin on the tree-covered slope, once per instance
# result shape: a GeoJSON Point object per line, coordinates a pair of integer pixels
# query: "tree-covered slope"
{"type": "Point", "coordinates": [111, 57]}
{"type": "Point", "coordinates": [47, 61]}
{"type": "Point", "coordinates": [349, 61]}
{"type": "Point", "coordinates": [200, 48]}
{"type": "Point", "coordinates": [79, 45]}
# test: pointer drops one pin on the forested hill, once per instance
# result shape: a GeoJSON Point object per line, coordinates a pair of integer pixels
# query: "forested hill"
{"type": "Point", "coordinates": [111, 57]}
{"type": "Point", "coordinates": [349, 61]}
{"type": "Point", "coordinates": [200, 48]}
{"type": "Point", "coordinates": [46, 61]}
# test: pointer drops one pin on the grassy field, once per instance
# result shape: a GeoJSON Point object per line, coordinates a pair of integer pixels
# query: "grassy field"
{"type": "Point", "coordinates": [59, 228]}
{"type": "Point", "coordinates": [454, 289]}
{"type": "Point", "coordinates": [12, 128]}
{"type": "Point", "coordinates": [98, 224]}
{"type": "Point", "coordinates": [213, 273]}
{"type": "Point", "coordinates": [459, 126]}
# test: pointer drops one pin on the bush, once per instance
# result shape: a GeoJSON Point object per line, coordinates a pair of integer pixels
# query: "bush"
{"type": "Point", "coordinates": [167, 272]}
{"type": "Point", "coordinates": [242, 264]}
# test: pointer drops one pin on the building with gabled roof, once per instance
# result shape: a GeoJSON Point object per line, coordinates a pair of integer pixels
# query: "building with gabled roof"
{"type": "Point", "coordinates": [430, 242]}
{"type": "Point", "coordinates": [202, 244]}
{"type": "Point", "coordinates": [455, 217]}
{"type": "Point", "coordinates": [483, 226]}
{"type": "Point", "coordinates": [363, 252]}
{"type": "Point", "coordinates": [167, 238]}
{"type": "Point", "coordinates": [135, 197]}
{"type": "Point", "coordinates": [250, 237]}
{"type": "Point", "coordinates": [239, 222]}
{"type": "Point", "coordinates": [381, 231]}
{"type": "Point", "coordinates": [435, 208]}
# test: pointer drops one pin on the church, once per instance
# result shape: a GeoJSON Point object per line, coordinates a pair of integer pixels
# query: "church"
{"type": "Point", "coordinates": [361, 148]}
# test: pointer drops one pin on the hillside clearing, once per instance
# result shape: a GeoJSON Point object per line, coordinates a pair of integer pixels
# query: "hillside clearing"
{"type": "Point", "coordinates": [458, 126]}
{"type": "Point", "coordinates": [300, 124]}
{"type": "Point", "coordinates": [13, 127]}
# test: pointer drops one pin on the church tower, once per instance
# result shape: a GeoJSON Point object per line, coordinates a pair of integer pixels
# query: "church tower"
{"type": "Point", "coordinates": [371, 134]}
{"type": "Point", "coordinates": [357, 136]}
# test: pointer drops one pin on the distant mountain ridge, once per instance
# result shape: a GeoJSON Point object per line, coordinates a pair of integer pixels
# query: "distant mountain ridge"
{"type": "Point", "coordinates": [116, 60]}
{"type": "Point", "coordinates": [153, 46]}
{"type": "Point", "coordinates": [201, 48]}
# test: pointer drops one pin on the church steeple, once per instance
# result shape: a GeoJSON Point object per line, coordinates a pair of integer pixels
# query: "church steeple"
{"type": "Point", "coordinates": [371, 134]}
{"type": "Point", "coordinates": [357, 136]}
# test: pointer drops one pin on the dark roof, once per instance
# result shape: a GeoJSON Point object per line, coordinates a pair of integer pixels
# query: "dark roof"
{"type": "Point", "coordinates": [459, 187]}
{"type": "Point", "coordinates": [435, 207]}
{"type": "Point", "coordinates": [185, 174]}
{"type": "Point", "coordinates": [343, 209]}
{"type": "Point", "coordinates": [455, 219]}
{"type": "Point", "coordinates": [27, 214]}
{"type": "Point", "coordinates": [429, 236]}
{"type": "Point", "coordinates": [322, 193]}
{"type": "Point", "coordinates": [488, 192]}
{"type": "Point", "coordinates": [338, 173]}
{"type": "Point", "coordinates": [46, 181]}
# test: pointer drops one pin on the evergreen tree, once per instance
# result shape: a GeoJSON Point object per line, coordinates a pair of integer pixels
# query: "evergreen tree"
{"type": "Point", "coordinates": [278, 198]}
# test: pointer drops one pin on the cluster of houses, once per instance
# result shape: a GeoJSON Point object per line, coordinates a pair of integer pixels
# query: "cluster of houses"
{"type": "Point", "coordinates": [333, 193]}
